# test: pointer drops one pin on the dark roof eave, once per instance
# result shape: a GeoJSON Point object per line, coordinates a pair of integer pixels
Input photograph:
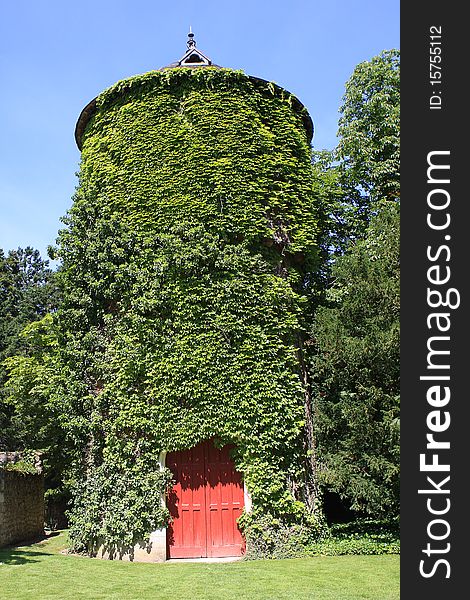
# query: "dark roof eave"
{"type": "Point", "coordinates": [82, 122]}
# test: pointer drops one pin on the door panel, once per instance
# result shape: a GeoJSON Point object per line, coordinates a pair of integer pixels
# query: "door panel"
{"type": "Point", "coordinates": [186, 535]}
{"type": "Point", "coordinates": [205, 503]}
{"type": "Point", "coordinates": [224, 499]}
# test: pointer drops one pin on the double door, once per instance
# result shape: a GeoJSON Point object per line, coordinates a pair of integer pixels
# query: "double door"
{"type": "Point", "coordinates": [204, 504]}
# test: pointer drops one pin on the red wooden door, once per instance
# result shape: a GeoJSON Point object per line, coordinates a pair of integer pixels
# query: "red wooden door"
{"type": "Point", "coordinates": [204, 503]}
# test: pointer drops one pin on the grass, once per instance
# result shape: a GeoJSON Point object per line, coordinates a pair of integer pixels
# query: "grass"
{"type": "Point", "coordinates": [41, 572]}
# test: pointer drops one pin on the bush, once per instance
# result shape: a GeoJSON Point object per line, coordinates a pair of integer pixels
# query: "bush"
{"type": "Point", "coordinates": [364, 536]}
{"type": "Point", "coordinates": [269, 537]}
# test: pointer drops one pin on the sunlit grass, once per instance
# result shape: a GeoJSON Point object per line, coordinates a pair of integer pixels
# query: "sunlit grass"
{"type": "Point", "coordinates": [41, 572]}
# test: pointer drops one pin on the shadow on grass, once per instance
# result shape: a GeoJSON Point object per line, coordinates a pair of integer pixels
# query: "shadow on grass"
{"type": "Point", "coordinates": [24, 551]}
{"type": "Point", "coordinates": [15, 556]}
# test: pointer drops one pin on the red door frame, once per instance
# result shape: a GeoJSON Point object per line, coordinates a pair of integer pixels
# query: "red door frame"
{"type": "Point", "coordinates": [204, 503]}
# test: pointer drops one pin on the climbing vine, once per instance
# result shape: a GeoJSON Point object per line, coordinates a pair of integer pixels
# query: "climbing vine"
{"type": "Point", "coordinates": [187, 258]}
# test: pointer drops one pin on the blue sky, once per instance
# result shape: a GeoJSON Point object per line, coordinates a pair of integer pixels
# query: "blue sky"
{"type": "Point", "coordinates": [55, 56]}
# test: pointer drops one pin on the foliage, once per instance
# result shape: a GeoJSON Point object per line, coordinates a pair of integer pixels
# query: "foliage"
{"type": "Point", "coordinates": [41, 571]}
{"type": "Point", "coordinates": [35, 392]}
{"type": "Point", "coordinates": [25, 463]}
{"type": "Point", "coordinates": [102, 512]}
{"type": "Point", "coordinates": [270, 537]}
{"type": "Point", "coordinates": [23, 467]}
{"type": "Point", "coordinates": [187, 261]}
{"type": "Point", "coordinates": [367, 537]}
{"type": "Point", "coordinates": [354, 350]}
{"type": "Point", "coordinates": [369, 128]}
{"type": "Point", "coordinates": [27, 293]}
{"type": "Point", "coordinates": [356, 367]}
{"type": "Point", "coordinates": [365, 167]}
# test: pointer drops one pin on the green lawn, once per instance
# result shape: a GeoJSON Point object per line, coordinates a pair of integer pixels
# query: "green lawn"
{"type": "Point", "coordinates": [40, 572]}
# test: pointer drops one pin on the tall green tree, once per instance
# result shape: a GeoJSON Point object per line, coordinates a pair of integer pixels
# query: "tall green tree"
{"type": "Point", "coordinates": [356, 371]}
{"type": "Point", "coordinates": [27, 294]}
{"type": "Point", "coordinates": [355, 333]}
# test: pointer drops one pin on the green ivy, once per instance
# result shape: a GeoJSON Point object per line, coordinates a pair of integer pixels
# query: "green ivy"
{"type": "Point", "coordinates": [116, 505]}
{"type": "Point", "coordinates": [187, 260]}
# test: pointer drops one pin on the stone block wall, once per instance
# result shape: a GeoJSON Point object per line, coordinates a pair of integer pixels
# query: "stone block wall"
{"type": "Point", "coordinates": [21, 506]}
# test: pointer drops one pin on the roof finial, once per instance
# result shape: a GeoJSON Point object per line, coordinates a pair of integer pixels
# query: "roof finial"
{"type": "Point", "coordinates": [191, 41]}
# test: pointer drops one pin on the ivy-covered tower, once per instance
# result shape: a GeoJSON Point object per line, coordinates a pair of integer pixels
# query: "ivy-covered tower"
{"type": "Point", "coordinates": [187, 257]}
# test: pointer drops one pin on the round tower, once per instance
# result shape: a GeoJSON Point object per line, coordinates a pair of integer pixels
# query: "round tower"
{"type": "Point", "coordinates": [187, 263]}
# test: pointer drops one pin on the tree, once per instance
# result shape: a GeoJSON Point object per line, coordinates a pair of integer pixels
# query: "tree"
{"type": "Point", "coordinates": [356, 371]}
{"type": "Point", "coordinates": [355, 339]}
{"type": "Point", "coordinates": [27, 294]}
{"type": "Point", "coordinates": [369, 128]}
{"type": "Point", "coordinates": [365, 167]}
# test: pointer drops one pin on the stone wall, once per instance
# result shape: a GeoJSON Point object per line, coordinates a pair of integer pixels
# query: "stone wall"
{"type": "Point", "coordinates": [21, 506]}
